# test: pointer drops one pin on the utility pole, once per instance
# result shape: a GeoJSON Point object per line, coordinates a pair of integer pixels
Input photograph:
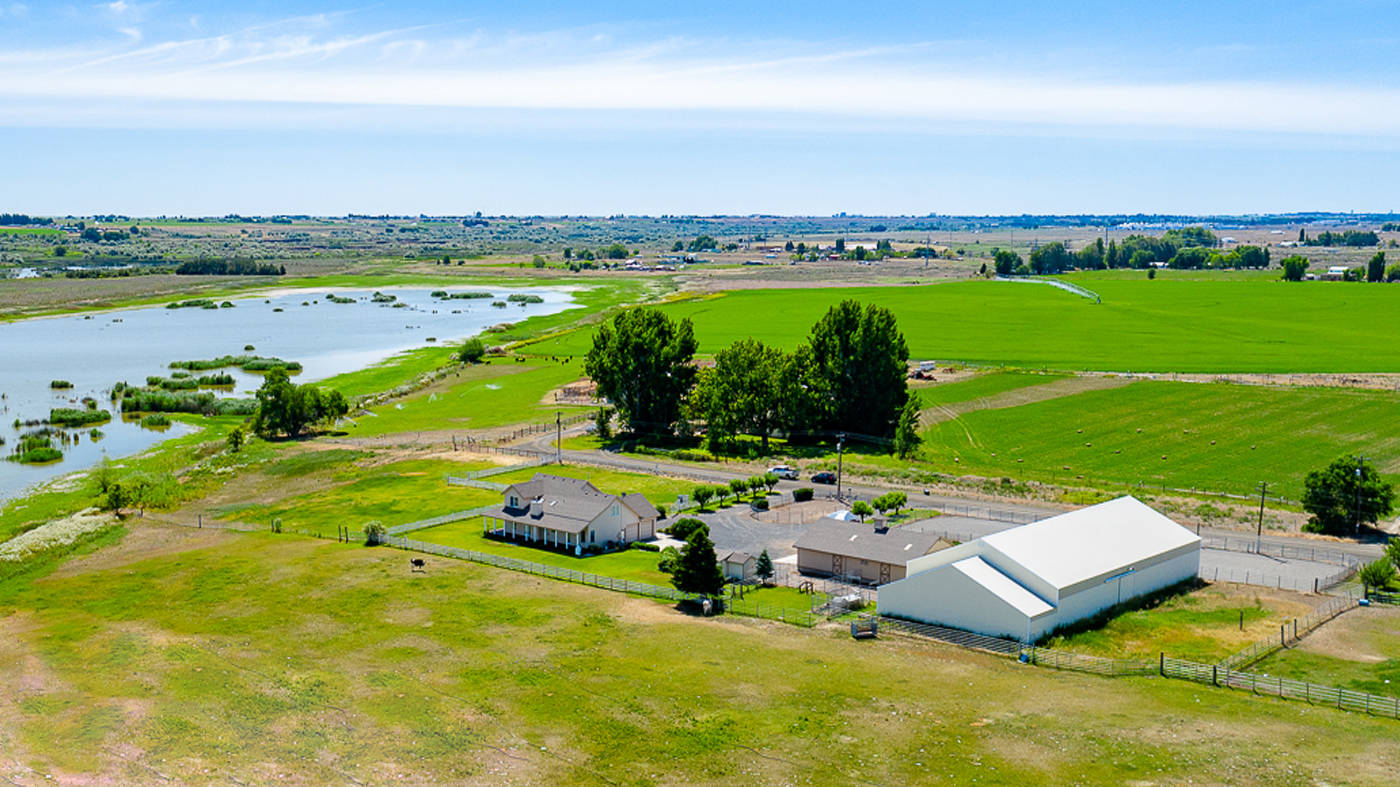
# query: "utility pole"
{"type": "Point", "coordinates": [840, 446]}
{"type": "Point", "coordinates": [1259, 537]}
{"type": "Point", "coordinates": [559, 437]}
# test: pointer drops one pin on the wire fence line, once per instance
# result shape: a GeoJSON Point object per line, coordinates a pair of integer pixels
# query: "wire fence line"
{"type": "Point", "coordinates": [1283, 688]}
{"type": "Point", "coordinates": [1276, 581]}
{"type": "Point", "coordinates": [1281, 551]}
{"type": "Point", "coordinates": [1383, 597]}
{"type": "Point", "coordinates": [1291, 632]}
{"type": "Point", "coordinates": [987, 512]}
{"type": "Point", "coordinates": [1083, 662]}
{"type": "Point", "coordinates": [1223, 675]}
{"type": "Point", "coordinates": [748, 608]}
{"type": "Point", "coordinates": [455, 516]}
{"type": "Point", "coordinates": [966, 639]}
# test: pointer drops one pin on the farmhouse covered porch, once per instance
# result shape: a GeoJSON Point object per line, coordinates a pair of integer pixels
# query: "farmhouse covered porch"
{"type": "Point", "coordinates": [523, 532]}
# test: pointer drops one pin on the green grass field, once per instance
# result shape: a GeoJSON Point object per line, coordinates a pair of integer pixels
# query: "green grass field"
{"type": "Point", "coordinates": [206, 656]}
{"type": "Point", "coordinates": [1174, 323]}
{"type": "Point", "coordinates": [1202, 625]}
{"type": "Point", "coordinates": [350, 495]}
{"type": "Point", "coordinates": [1359, 650]}
{"type": "Point", "coordinates": [498, 393]}
{"type": "Point", "coordinates": [393, 371]}
{"type": "Point", "coordinates": [1213, 436]}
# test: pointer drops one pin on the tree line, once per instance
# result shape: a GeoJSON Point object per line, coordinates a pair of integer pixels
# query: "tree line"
{"type": "Point", "coordinates": [20, 220]}
{"type": "Point", "coordinates": [1375, 270]}
{"type": "Point", "coordinates": [229, 268]}
{"type": "Point", "coordinates": [1344, 238]}
{"type": "Point", "coordinates": [1190, 248]}
{"type": "Point", "coordinates": [848, 376]}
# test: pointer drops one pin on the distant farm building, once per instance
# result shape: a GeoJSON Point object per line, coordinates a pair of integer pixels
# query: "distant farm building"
{"type": "Point", "coordinates": [860, 552]}
{"type": "Point", "coordinates": [570, 514]}
{"type": "Point", "coordinates": [1028, 581]}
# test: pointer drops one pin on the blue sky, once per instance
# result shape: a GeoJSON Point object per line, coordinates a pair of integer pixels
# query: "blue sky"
{"type": "Point", "coordinates": [171, 107]}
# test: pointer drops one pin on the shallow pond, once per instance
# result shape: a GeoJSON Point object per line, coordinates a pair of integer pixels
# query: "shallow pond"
{"type": "Point", "coordinates": [95, 350]}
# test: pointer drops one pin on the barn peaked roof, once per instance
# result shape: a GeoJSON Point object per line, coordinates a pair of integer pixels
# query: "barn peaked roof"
{"type": "Point", "coordinates": [1092, 542]}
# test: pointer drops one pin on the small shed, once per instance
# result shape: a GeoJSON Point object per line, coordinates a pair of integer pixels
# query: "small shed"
{"type": "Point", "coordinates": [738, 566]}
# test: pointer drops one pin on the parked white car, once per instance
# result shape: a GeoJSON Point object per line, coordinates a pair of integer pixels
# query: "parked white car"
{"type": "Point", "coordinates": [783, 471]}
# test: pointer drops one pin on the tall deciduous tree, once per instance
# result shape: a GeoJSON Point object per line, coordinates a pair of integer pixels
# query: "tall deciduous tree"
{"type": "Point", "coordinates": [906, 431]}
{"type": "Point", "coordinates": [1006, 262]}
{"type": "Point", "coordinates": [1051, 258]}
{"type": "Point", "coordinates": [858, 357]}
{"type": "Point", "coordinates": [1376, 575]}
{"type": "Point", "coordinates": [641, 363]}
{"type": "Point", "coordinates": [1344, 494]}
{"type": "Point", "coordinates": [743, 393]}
{"type": "Point", "coordinates": [1294, 267]}
{"type": "Point", "coordinates": [1375, 268]}
{"type": "Point", "coordinates": [284, 408]}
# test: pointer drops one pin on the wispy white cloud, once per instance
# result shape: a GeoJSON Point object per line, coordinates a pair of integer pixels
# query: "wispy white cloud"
{"type": "Point", "coordinates": [307, 61]}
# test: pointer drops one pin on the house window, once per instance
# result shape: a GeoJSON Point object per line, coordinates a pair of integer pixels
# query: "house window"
{"type": "Point", "coordinates": [514, 501]}
{"type": "Point", "coordinates": [614, 509]}
{"type": "Point", "coordinates": [592, 537]}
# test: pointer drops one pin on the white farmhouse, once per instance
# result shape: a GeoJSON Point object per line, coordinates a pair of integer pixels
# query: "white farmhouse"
{"type": "Point", "coordinates": [569, 514]}
{"type": "Point", "coordinates": [1025, 582]}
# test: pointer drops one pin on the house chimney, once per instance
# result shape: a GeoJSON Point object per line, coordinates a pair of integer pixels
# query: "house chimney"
{"type": "Point", "coordinates": [537, 507]}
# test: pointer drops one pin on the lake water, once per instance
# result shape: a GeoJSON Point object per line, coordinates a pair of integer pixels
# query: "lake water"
{"type": "Point", "coordinates": [94, 351]}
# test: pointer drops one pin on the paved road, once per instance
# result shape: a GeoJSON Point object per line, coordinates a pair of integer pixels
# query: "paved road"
{"type": "Point", "coordinates": [973, 516]}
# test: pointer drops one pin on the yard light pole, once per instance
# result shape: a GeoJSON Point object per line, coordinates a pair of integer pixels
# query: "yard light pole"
{"type": "Point", "coordinates": [559, 437]}
{"type": "Point", "coordinates": [840, 446]}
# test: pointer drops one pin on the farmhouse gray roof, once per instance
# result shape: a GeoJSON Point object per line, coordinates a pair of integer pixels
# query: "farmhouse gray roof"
{"type": "Point", "coordinates": [895, 545]}
{"type": "Point", "coordinates": [567, 505]}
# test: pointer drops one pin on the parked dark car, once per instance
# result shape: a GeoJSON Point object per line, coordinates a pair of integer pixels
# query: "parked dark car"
{"type": "Point", "coordinates": [823, 478]}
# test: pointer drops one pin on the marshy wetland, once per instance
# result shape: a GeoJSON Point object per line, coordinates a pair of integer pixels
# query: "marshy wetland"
{"type": "Point", "coordinates": [324, 332]}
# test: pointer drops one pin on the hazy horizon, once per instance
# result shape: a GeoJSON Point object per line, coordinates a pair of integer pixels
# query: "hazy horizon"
{"type": "Point", "coordinates": [182, 108]}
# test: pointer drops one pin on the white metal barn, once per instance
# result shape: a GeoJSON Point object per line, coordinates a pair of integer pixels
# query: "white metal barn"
{"type": "Point", "coordinates": [1028, 581]}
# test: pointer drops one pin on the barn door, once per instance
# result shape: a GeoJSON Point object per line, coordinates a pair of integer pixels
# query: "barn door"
{"type": "Point", "coordinates": [836, 565]}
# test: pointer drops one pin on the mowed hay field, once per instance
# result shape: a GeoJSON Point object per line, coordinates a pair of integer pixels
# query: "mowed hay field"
{"type": "Point", "coordinates": [214, 657]}
{"type": "Point", "coordinates": [1186, 323]}
{"type": "Point", "coordinates": [1214, 436]}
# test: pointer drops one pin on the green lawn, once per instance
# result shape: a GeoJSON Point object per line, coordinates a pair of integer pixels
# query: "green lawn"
{"type": "Point", "coordinates": [637, 565]}
{"type": "Point", "coordinates": [203, 655]}
{"type": "Point", "coordinates": [1197, 323]}
{"type": "Point", "coordinates": [393, 494]}
{"type": "Point", "coordinates": [1202, 625]}
{"type": "Point", "coordinates": [1213, 436]}
{"type": "Point", "coordinates": [498, 393]}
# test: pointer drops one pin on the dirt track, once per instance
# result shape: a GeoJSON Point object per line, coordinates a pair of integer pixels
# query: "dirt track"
{"type": "Point", "coordinates": [1035, 393]}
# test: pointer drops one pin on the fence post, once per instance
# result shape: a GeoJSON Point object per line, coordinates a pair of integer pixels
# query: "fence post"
{"type": "Point", "coordinates": [1162, 663]}
{"type": "Point", "coordinates": [1214, 675]}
